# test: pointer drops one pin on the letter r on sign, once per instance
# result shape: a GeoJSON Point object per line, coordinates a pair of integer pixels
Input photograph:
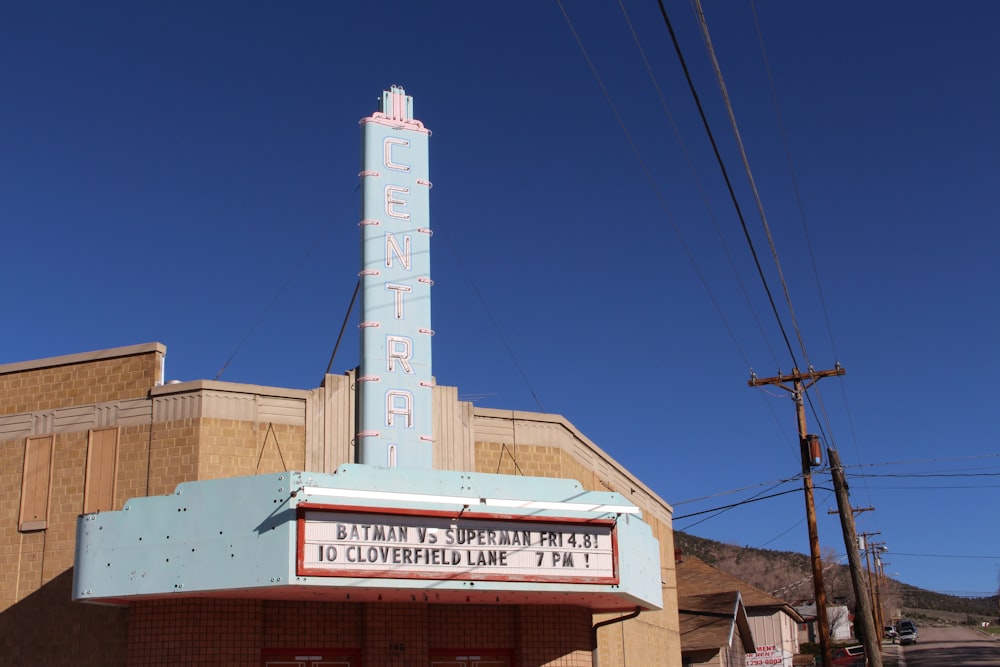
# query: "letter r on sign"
{"type": "Point", "coordinates": [398, 348]}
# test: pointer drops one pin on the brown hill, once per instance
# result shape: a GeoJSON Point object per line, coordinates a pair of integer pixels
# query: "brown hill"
{"type": "Point", "coordinates": [787, 575]}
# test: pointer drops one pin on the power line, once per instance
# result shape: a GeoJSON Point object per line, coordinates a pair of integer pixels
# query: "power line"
{"type": "Point", "coordinates": [732, 505]}
{"type": "Point", "coordinates": [706, 38]}
{"type": "Point", "coordinates": [725, 177]}
{"type": "Point", "coordinates": [701, 190]}
{"type": "Point", "coordinates": [927, 474]}
{"type": "Point", "coordinates": [802, 217]}
{"type": "Point", "coordinates": [745, 488]}
{"type": "Point", "coordinates": [316, 244]}
{"type": "Point", "coordinates": [648, 174]}
{"type": "Point", "coordinates": [942, 459]}
{"type": "Point", "coordinates": [720, 510]}
{"type": "Point", "coordinates": [902, 553]}
{"type": "Point", "coordinates": [964, 487]}
{"type": "Point", "coordinates": [489, 314]}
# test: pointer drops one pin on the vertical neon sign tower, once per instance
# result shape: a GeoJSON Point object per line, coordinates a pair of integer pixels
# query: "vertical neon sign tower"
{"type": "Point", "coordinates": [395, 381]}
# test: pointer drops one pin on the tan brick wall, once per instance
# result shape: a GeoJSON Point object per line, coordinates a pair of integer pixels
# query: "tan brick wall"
{"type": "Point", "coordinates": [395, 634]}
{"type": "Point", "coordinates": [46, 628]}
{"type": "Point", "coordinates": [195, 632]}
{"type": "Point", "coordinates": [172, 455]}
{"type": "Point", "coordinates": [234, 448]}
{"type": "Point", "coordinates": [555, 636]}
{"type": "Point", "coordinates": [134, 447]}
{"type": "Point", "coordinates": [30, 560]}
{"type": "Point", "coordinates": [11, 462]}
{"type": "Point", "coordinates": [472, 626]}
{"type": "Point", "coordinates": [65, 502]}
{"type": "Point", "coordinates": [78, 384]}
{"type": "Point", "coordinates": [528, 460]}
{"type": "Point", "coordinates": [298, 625]}
{"type": "Point", "coordinates": [654, 637]}
{"type": "Point", "coordinates": [237, 632]}
{"type": "Point", "coordinates": [535, 461]}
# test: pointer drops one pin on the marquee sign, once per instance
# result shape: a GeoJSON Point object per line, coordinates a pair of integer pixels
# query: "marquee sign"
{"type": "Point", "coordinates": [395, 381]}
{"type": "Point", "coordinates": [430, 545]}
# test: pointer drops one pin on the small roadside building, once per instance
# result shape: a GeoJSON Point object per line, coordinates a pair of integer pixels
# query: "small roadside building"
{"type": "Point", "coordinates": [773, 622]}
{"type": "Point", "coordinates": [838, 616]}
{"type": "Point", "coordinates": [715, 631]}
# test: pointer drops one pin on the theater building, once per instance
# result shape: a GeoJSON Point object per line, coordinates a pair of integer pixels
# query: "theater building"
{"type": "Point", "coordinates": [374, 520]}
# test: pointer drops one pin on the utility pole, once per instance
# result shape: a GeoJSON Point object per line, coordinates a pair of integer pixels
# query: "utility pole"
{"type": "Point", "coordinates": [867, 545]}
{"type": "Point", "coordinates": [879, 547]}
{"type": "Point", "coordinates": [855, 511]}
{"type": "Point", "coordinates": [869, 637]}
{"type": "Point", "coordinates": [811, 455]}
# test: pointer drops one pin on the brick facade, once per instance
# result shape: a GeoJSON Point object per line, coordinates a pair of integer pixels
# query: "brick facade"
{"type": "Point", "coordinates": [198, 431]}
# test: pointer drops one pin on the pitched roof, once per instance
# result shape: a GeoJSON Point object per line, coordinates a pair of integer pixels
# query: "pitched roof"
{"type": "Point", "coordinates": [696, 577]}
{"type": "Point", "coordinates": [708, 621]}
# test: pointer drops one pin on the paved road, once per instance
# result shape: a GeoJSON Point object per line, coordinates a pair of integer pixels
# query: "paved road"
{"type": "Point", "coordinates": [952, 647]}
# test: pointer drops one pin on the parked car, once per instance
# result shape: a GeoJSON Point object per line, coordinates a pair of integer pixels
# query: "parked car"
{"type": "Point", "coordinates": [906, 632]}
{"type": "Point", "coordinates": [848, 656]}
{"type": "Point", "coordinates": [890, 632]}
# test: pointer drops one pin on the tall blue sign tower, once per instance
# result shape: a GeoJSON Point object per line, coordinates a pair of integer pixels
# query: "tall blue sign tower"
{"type": "Point", "coordinates": [395, 380]}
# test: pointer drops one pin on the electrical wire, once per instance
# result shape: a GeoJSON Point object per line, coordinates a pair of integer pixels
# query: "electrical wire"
{"type": "Point", "coordinates": [802, 216]}
{"type": "Point", "coordinates": [651, 181]}
{"type": "Point", "coordinates": [720, 80]}
{"type": "Point", "coordinates": [310, 250]}
{"type": "Point", "coordinates": [725, 177]}
{"type": "Point", "coordinates": [489, 314]}
{"type": "Point", "coordinates": [900, 553]}
{"type": "Point", "coordinates": [944, 459]}
{"type": "Point", "coordinates": [343, 326]}
{"type": "Point", "coordinates": [721, 508]}
{"type": "Point", "coordinates": [744, 488]}
{"type": "Point", "coordinates": [964, 487]}
{"type": "Point", "coordinates": [928, 474]}
{"type": "Point", "coordinates": [738, 209]}
{"type": "Point", "coordinates": [701, 191]}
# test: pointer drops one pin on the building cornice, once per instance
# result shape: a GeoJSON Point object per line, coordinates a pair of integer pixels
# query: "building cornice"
{"type": "Point", "coordinates": [82, 357]}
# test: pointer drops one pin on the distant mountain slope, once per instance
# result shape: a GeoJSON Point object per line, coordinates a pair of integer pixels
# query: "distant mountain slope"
{"type": "Point", "coordinates": [788, 575]}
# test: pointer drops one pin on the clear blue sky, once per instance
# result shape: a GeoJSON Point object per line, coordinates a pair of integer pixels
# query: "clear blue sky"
{"type": "Point", "coordinates": [186, 173]}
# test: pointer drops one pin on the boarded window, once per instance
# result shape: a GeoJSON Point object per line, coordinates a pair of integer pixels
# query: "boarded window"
{"type": "Point", "coordinates": [36, 483]}
{"type": "Point", "coordinates": [102, 469]}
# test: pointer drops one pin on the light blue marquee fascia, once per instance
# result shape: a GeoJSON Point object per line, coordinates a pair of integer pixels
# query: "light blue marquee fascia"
{"type": "Point", "coordinates": [238, 537]}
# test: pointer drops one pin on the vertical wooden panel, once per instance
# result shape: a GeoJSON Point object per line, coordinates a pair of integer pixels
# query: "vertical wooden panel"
{"type": "Point", "coordinates": [102, 469]}
{"type": "Point", "coordinates": [36, 483]}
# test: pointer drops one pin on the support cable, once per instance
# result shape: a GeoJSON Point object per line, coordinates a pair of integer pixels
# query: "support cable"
{"type": "Point", "coordinates": [343, 326]}
{"type": "Point", "coordinates": [703, 25]}
{"type": "Point", "coordinates": [701, 189]}
{"type": "Point", "coordinates": [729, 184]}
{"type": "Point", "coordinates": [652, 182]}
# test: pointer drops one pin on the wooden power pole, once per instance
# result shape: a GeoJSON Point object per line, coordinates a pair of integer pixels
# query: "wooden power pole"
{"type": "Point", "coordinates": [871, 636]}
{"type": "Point", "coordinates": [811, 456]}
{"type": "Point", "coordinates": [866, 545]}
